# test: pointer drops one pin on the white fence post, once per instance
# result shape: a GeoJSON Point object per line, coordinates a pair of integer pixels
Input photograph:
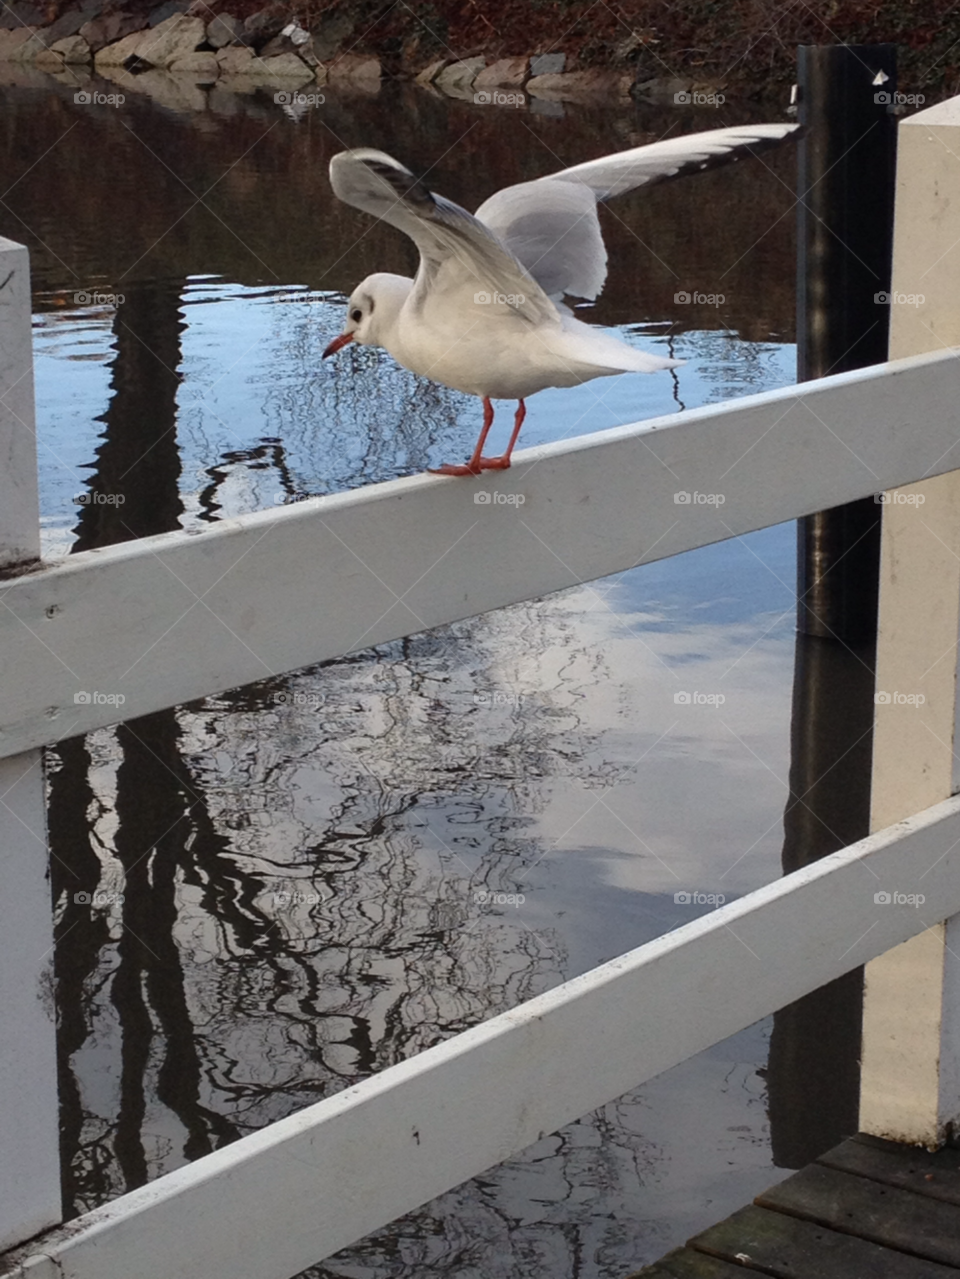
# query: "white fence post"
{"type": "Point", "coordinates": [29, 1143]}
{"type": "Point", "coordinates": [911, 1034]}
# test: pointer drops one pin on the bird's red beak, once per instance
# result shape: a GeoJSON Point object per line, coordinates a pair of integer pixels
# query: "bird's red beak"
{"type": "Point", "coordinates": [337, 343]}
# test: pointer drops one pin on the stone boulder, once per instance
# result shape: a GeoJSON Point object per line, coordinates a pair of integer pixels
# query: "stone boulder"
{"type": "Point", "coordinates": [116, 54]}
{"type": "Point", "coordinates": [354, 69]}
{"type": "Point", "coordinates": [74, 50]}
{"type": "Point", "coordinates": [547, 63]}
{"type": "Point", "coordinates": [508, 73]}
{"type": "Point", "coordinates": [233, 61]}
{"type": "Point", "coordinates": [202, 66]}
{"type": "Point", "coordinates": [431, 71]}
{"type": "Point", "coordinates": [261, 27]}
{"type": "Point", "coordinates": [458, 77]}
{"type": "Point", "coordinates": [595, 84]}
{"type": "Point", "coordinates": [171, 40]}
{"type": "Point", "coordinates": [68, 24]}
{"type": "Point", "coordinates": [111, 27]}
{"type": "Point", "coordinates": [223, 30]}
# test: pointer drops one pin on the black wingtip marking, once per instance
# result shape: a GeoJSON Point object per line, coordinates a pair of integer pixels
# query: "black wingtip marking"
{"type": "Point", "coordinates": [405, 184]}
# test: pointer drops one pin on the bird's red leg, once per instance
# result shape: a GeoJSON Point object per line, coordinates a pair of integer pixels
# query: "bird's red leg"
{"type": "Point", "coordinates": [501, 463]}
{"type": "Point", "coordinates": [473, 466]}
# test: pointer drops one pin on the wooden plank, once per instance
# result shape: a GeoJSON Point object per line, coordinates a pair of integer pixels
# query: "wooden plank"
{"type": "Point", "coordinates": [932, 1173]}
{"type": "Point", "coordinates": [885, 1215]}
{"type": "Point", "coordinates": [166, 619]}
{"type": "Point", "coordinates": [788, 1247]}
{"type": "Point", "coordinates": [684, 1263]}
{"type": "Point", "coordinates": [29, 1136]}
{"type": "Point", "coordinates": [329, 1175]}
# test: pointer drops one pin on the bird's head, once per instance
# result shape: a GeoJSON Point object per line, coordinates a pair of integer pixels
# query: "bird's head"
{"type": "Point", "coordinates": [372, 311]}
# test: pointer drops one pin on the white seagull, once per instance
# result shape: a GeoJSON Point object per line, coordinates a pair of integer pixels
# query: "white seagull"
{"type": "Point", "coordinates": [485, 313]}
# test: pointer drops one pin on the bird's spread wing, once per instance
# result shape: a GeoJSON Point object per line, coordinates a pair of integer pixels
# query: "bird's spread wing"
{"type": "Point", "coordinates": [672, 158]}
{"type": "Point", "coordinates": [458, 254]}
{"type": "Point", "coordinates": [551, 225]}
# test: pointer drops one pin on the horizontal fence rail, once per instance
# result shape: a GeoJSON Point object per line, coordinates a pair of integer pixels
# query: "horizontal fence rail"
{"type": "Point", "coordinates": [279, 1200]}
{"type": "Point", "coordinates": [280, 589]}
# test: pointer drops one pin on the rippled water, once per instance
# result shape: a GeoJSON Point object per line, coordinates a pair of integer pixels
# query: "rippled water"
{"type": "Point", "coordinates": [304, 862]}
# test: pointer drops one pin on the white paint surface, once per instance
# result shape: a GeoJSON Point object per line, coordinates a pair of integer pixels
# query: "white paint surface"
{"type": "Point", "coordinates": [29, 1137]}
{"type": "Point", "coordinates": [169, 618]}
{"type": "Point", "coordinates": [911, 1045]}
{"type": "Point", "coordinates": [281, 1199]}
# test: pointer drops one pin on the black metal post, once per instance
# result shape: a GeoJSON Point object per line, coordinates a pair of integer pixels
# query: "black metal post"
{"type": "Point", "coordinates": [845, 232]}
{"type": "Point", "coordinates": [847, 167]}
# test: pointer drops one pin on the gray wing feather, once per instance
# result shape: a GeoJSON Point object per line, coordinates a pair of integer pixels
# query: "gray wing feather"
{"type": "Point", "coordinates": [457, 252]}
{"type": "Point", "coordinates": [551, 224]}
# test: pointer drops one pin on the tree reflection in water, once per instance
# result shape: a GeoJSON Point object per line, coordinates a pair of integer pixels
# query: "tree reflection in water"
{"type": "Point", "coordinates": [300, 860]}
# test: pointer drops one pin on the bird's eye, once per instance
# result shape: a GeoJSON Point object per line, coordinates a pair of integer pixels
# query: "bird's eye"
{"type": "Point", "coordinates": [356, 315]}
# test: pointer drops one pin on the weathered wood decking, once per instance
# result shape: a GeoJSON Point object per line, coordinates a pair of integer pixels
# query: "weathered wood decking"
{"type": "Point", "coordinates": [868, 1209]}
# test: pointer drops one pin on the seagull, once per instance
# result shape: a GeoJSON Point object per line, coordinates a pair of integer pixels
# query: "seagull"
{"type": "Point", "coordinates": [486, 313]}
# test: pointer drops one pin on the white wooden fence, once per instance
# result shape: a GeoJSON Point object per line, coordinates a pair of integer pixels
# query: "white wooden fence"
{"type": "Point", "coordinates": [177, 616]}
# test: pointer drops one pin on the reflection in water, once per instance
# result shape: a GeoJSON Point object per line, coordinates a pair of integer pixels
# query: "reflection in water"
{"type": "Point", "coordinates": [814, 1069]}
{"type": "Point", "coordinates": [302, 861]}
